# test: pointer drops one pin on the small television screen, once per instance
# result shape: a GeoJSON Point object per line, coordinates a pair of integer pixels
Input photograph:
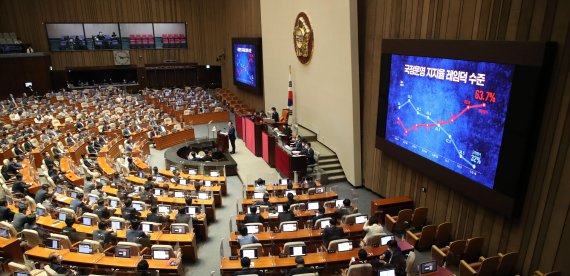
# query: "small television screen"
{"type": "Point", "coordinates": [157, 192]}
{"type": "Point", "coordinates": [183, 181]}
{"type": "Point", "coordinates": [116, 225]}
{"type": "Point", "coordinates": [384, 240]}
{"type": "Point", "coordinates": [250, 253]}
{"type": "Point", "coordinates": [40, 211]}
{"type": "Point", "coordinates": [122, 252]}
{"type": "Point", "coordinates": [464, 113]}
{"type": "Point", "coordinates": [28, 84]}
{"type": "Point", "coordinates": [179, 194]}
{"type": "Point", "coordinates": [85, 248]}
{"type": "Point", "coordinates": [178, 229]}
{"type": "Point", "coordinates": [61, 216]}
{"type": "Point", "coordinates": [258, 195]}
{"type": "Point", "coordinates": [291, 192]}
{"type": "Point", "coordinates": [313, 206]}
{"type": "Point", "coordinates": [114, 203]}
{"type": "Point", "coordinates": [279, 208]}
{"type": "Point", "coordinates": [325, 223]}
{"type": "Point", "coordinates": [192, 210]}
{"type": "Point", "coordinates": [344, 246]}
{"type": "Point", "coordinates": [215, 173]}
{"type": "Point", "coordinates": [428, 267]}
{"type": "Point", "coordinates": [192, 171]}
{"type": "Point", "coordinates": [159, 179]}
{"type": "Point", "coordinates": [203, 196]}
{"type": "Point", "coordinates": [20, 273]}
{"type": "Point", "coordinates": [73, 194]}
{"type": "Point", "coordinates": [160, 254]}
{"type": "Point", "coordinates": [320, 190]}
{"type": "Point", "coordinates": [247, 64]}
{"type": "Point", "coordinates": [295, 251]}
{"type": "Point", "coordinates": [147, 227]}
{"type": "Point", "coordinates": [339, 203]}
{"type": "Point", "coordinates": [360, 219]}
{"type": "Point", "coordinates": [52, 243]}
{"type": "Point", "coordinates": [283, 181]}
{"type": "Point", "coordinates": [387, 272]}
{"type": "Point", "coordinates": [207, 183]}
{"type": "Point", "coordinates": [87, 221]}
{"type": "Point", "coordinates": [4, 233]}
{"type": "Point", "coordinates": [137, 206]}
{"type": "Point", "coordinates": [164, 209]}
{"type": "Point", "coordinates": [252, 229]}
{"type": "Point", "coordinates": [289, 227]}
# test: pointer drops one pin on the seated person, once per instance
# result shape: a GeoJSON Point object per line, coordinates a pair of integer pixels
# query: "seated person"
{"type": "Point", "coordinates": [245, 270]}
{"type": "Point", "coordinates": [300, 267]}
{"type": "Point", "coordinates": [246, 238]}
{"type": "Point", "coordinates": [89, 185]}
{"type": "Point", "coordinates": [264, 201]}
{"type": "Point", "coordinates": [14, 166]}
{"type": "Point", "coordinates": [320, 215]}
{"type": "Point", "coordinates": [101, 210]}
{"type": "Point", "coordinates": [20, 218]}
{"type": "Point", "coordinates": [253, 216]}
{"type": "Point", "coordinates": [55, 260]}
{"type": "Point", "coordinates": [77, 203]}
{"type": "Point", "coordinates": [208, 156]}
{"type": "Point", "coordinates": [128, 211]}
{"type": "Point", "coordinates": [371, 227]}
{"type": "Point", "coordinates": [135, 234]}
{"type": "Point", "coordinates": [182, 217]}
{"type": "Point", "coordinates": [286, 215]}
{"type": "Point", "coordinates": [102, 235]}
{"type": "Point", "coordinates": [346, 208]}
{"type": "Point", "coordinates": [19, 186]}
{"type": "Point", "coordinates": [6, 213]}
{"type": "Point", "coordinates": [143, 269]}
{"type": "Point", "coordinates": [394, 257]}
{"type": "Point", "coordinates": [332, 232]}
{"type": "Point", "coordinates": [310, 153]}
{"type": "Point", "coordinates": [290, 199]}
{"type": "Point", "coordinates": [42, 194]}
{"type": "Point", "coordinates": [362, 257]}
{"type": "Point", "coordinates": [154, 216]}
{"type": "Point", "coordinates": [68, 228]}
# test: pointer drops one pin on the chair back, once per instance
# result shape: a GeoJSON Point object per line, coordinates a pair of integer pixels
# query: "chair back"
{"type": "Point", "coordinates": [163, 247]}
{"type": "Point", "coordinates": [17, 267]}
{"type": "Point", "coordinates": [373, 239]}
{"type": "Point", "coordinates": [419, 217]}
{"type": "Point", "coordinates": [489, 266]}
{"type": "Point", "coordinates": [287, 245]}
{"type": "Point", "coordinates": [442, 234]}
{"type": "Point", "coordinates": [507, 263]}
{"type": "Point", "coordinates": [68, 212]}
{"type": "Point", "coordinates": [287, 222]}
{"type": "Point", "coordinates": [258, 224]}
{"type": "Point", "coordinates": [455, 252]}
{"type": "Point", "coordinates": [359, 270]}
{"type": "Point", "coordinates": [318, 222]}
{"type": "Point", "coordinates": [65, 242]}
{"type": "Point", "coordinates": [31, 203]}
{"type": "Point", "coordinates": [135, 247]}
{"type": "Point", "coordinates": [333, 245]}
{"type": "Point", "coordinates": [426, 239]}
{"type": "Point", "coordinates": [350, 219]}
{"type": "Point", "coordinates": [8, 226]}
{"type": "Point", "coordinates": [297, 206]}
{"type": "Point", "coordinates": [97, 248]}
{"type": "Point", "coordinates": [473, 249]}
{"type": "Point", "coordinates": [258, 247]}
{"type": "Point", "coordinates": [329, 204]}
{"type": "Point", "coordinates": [50, 271]}
{"type": "Point", "coordinates": [32, 237]}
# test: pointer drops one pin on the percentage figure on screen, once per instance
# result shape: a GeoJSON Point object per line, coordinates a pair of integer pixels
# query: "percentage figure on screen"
{"type": "Point", "coordinates": [485, 96]}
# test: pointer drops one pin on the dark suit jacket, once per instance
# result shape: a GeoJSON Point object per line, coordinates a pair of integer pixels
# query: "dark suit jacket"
{"type": "Point", "coordinates": [6, 214]}
{"type": "Point", "coordinates": [19, 221]}
{"type": "Point", "coordinates": [133, 235]}
{"type": "Point", "coordinates": [332, 233]}
{"type": "Point", "coordinates": [246, 271]}
{"type": "Point", "coordinates": [300, 270]}
{"type": "Point", "coordinates": [251, 218]}
{"type": "Point", "coordinates": [155, 218]}
{"type": "Point", "coordinates": [232, 133]}
{"type": "Point", "coordinates": [286, 216]}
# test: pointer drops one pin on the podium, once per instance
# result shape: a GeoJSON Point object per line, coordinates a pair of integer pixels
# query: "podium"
{"type": "Point", "coordinates": [222, 142]}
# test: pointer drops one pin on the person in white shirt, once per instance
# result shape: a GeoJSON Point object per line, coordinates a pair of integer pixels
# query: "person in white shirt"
{"type": "Point", "coordinates": [371, 227]}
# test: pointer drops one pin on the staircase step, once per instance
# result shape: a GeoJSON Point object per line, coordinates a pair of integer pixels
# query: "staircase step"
{"type": "Point", "coordinates": [327, 157]}
{"type": "Point", "coordinates": [329, 167]}
{"type": "Point", "coordinates": [336, 178]}
{"type": "Point", "coordinates": [334, 172]}
{"type": "Point", "coordinates": [328, 162]}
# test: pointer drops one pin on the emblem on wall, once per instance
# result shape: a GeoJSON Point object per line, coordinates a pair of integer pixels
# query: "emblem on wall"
{"type": "Point", "coordinates": [303, 38]}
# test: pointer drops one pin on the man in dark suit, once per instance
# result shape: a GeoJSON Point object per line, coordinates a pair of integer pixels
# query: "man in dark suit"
{"type": "Point", "coordinates": [20, 218]}
{"type": "Point", "coordinates": [253, 216]}
{"type": "Point", "coordinates": [320, 215]}
{"type": "Point", "coordinates": [6, 213]}
{"type": "Point", "coordinates": [182, 217]}
{"type": "Point", "coordinates": [154, 216]}
{"type": "Point", "coordinates": [310, 153]}
{"type": "Point", "coordinates": [14, 166]}
{"type": "Point", "coordinates": [69, 140]}
{"type": "Point", "coordinates": [20, 186]}
{"type": "Point", "coordinates": [102, 235]}
{"type": "Point", "coordinates": [232, 136]}
{"type": "Point", "coordinates": [28, 146]}
{"type": "Point", "coordinates": [333, 232]}
{"type": "Point", "coordinates": [48, 160]}
{"type": "Point", "coordinates": [128, 210]}
{"type": "Point", "coordinates": [300, 268]}
{"type": "Point", "coordinates": [101, 210]}
{"type": "Point", "coordinates": [87, 162]}
{"type": "Point", "coordinates": [134, 234]}
{"type": "Point", "coordinates": [78, 203]}
{"type": "Point", "coordinates": [17, 150]}
{"type": "Point", "coordinates": [42, 194]}
{"type": "Point", "coordinates": [245, 270]}
{"type": "Point", "coordinates": [286, 215]}
{"type": "Point", "coordinates": [275, 116]}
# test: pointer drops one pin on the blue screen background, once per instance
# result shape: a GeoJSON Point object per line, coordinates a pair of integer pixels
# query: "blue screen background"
{"type": "Point", "coordinates": [458, 128]}
{"type": "Point", "coordinates": [245, 64]}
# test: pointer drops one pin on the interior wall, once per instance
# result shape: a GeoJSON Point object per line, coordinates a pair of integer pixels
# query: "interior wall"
{"type": "Point", "coordinates": [326, 91]}
{"type": "Point", "coordinates": [541, 234]}
{"type": "Point", "coordinates": [210, 24]}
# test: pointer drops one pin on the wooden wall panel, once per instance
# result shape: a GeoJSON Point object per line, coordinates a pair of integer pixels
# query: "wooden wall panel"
{"type": "Point", "coordinates": [541, 233]}
{"type": "Point", "coordinates": [210, 26]}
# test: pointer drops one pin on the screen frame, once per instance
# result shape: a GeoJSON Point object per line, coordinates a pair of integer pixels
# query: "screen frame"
{"type": "Point", "coordinates": [257, 42]}
{"type": "Point", "coordinates": [519, 140]}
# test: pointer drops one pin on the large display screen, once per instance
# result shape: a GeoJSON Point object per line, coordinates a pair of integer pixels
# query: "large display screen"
{"type": "Point", "coordinates": [464, 113]}
{"type": "Point", "coordinates": [451, 112]}
{"type": "Point", "coordinates": [247, 66]}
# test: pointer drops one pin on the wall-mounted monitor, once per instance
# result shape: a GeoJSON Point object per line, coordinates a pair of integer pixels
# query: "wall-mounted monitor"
{"type": "Point", "coordinates": [465, 113]}
{"type": "Point", "coordinates": [247, 64]}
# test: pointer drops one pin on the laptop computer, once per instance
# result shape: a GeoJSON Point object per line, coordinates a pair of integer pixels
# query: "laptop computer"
{"type": "Point", "coordinates": [313, 206]}
{"type": "Point", "coordinates": [300, 250]}
{"type": "Point", "coordinates": [360, 219]}
{"type": "Point", "coordinates": [122, 252]}
{"type": "Point", "coordinates": [178, 229]}
{"type": "Point", "coordinates": [87, 221]}
{"type": "Point", "coordinates": [85, 248]}
{"type": "Point", "coordinates": [250, 253]}
{"type": "Point", "coordinates": [252, 229]}
{"type": "Point", "coordinates": [289, 227]}
{"type": "Point", "coordinates": [344, 246]}
{"type": "Point", "coordinates": [384, 240]}
{"type": "Point", "coordinates": [160, 254]}
{"type": "Point", "coordinates": [192, 210]}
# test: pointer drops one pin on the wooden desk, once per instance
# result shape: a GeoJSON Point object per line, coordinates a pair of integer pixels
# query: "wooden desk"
{"type": "Point", "coordinates": [272, 220]}
{"type": "Point", "coordinates": [65, 166]}
{"type": "Point", "coordinates": [205, 118]}
{"type": "Point", "coordinates": [279, 189]}
{"type": "Point", "coordinates": [169, 140]}
{"type": "Point", "coordinates": [330, 261]}
{"type": "Point", "coordinates": [391, 206]}
{"type": "Point", "coordinates": [219, 179]}
{"type": "Point", "coordinates": [10, 249]}
{"type": "Point", "coordinates": [299, 198]}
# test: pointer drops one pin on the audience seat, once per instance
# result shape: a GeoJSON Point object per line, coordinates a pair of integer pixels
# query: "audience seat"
{"type": "Point", "coordinates": [473, 249]}
{"type": "Point", "coordinates": [257, 246]}
{"type": "Point", "coordinates": [485, 267]}
{"type": "Point", "coordinates": [449, 255]}
{"type": "Point", "coordinates": [350, 219]}
{"type": "Point", "coordinates": [400, 222]}
{"type": "Point", "coordinates": [287, 222]}
{"type": "Point", "coordinates": [287, 245]}
{"type": "Point", "coordinates": [8, 226]}
{"type": "Point", "coordinates": [319, 221]}
{"type": "Point", "coordinates": [552, 273]}
{"type": "Point", "coordinates": [422, 240]}
{"type": "Point", "coordinates": [65, 242]}
{"type": "Point", "coordinates": [358, 270]}
{"type": "Point", "coordinates": [507, 263]}
{"type": "Point", "coordinates": [135, 248]}
{"type": "Point", "coordinates": [167, 247]}
{"type": "Point", "coordinates": [97, 248]}
{"type": "Point", "coordinates": [333, 245]}
{"type": "Point", "coordinates": [442, 234]}
{"type": "Point", "coordinates": [31, 237]}
{"type": "Point", "coordinates": [258, 224]}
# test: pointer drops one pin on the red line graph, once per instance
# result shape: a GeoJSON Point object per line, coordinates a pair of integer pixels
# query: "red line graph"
{"type": "Point", "coordinates": [439, 122]}
{"type": "Point", "coordinates": [249, 61]}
